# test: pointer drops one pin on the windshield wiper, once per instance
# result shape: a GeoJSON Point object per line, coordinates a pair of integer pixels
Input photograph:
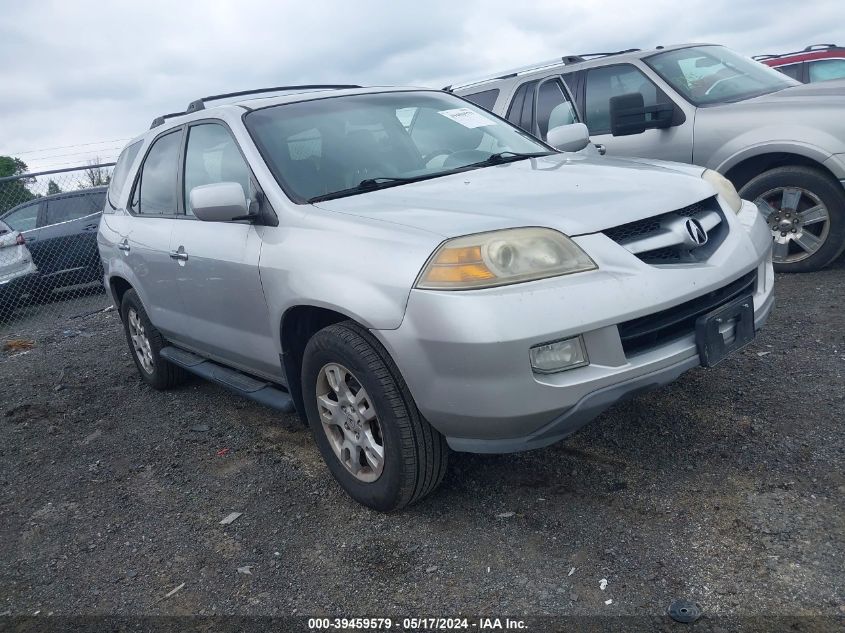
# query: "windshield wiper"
{"type": "Point", "coordinates": [371, 184]}
{"type": "Point", "coordinates": [382, 182]}
{"type": "Point", "coordinates": [507, 157]}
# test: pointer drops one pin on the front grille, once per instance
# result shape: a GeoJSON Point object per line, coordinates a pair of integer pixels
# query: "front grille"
{"type": "Point", "coordinates": [653, 330]}
{"type": "Point", "coordinates": [661, 239]}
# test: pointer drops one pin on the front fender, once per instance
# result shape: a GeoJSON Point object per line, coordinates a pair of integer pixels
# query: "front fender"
{"type": "Point", "coordinates": [734, 153]}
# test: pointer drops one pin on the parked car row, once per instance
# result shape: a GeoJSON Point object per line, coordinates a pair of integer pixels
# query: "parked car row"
{"type": "Point", "coordinates": [59, 235]}
{"type": "Point", "coordinates": [781, 143]}
{"type": "Point", "coordinates": [481, 269]}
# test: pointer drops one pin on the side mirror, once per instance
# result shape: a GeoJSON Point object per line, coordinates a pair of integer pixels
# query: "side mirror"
{"type": "Point", "coordinates": [569, 138]}
{"type": "Point", "coordinates": [219, 202]}
{"type": "Point", "coordinates": [628, 115]}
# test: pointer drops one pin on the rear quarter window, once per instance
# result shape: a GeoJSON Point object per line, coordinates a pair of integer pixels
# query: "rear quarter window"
{"type": "Point", "coordinates": [121, 172]}
{"type": "Point", "coordinates": [485, 99]}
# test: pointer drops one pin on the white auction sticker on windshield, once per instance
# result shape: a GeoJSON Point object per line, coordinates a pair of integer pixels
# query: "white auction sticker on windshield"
{"type": "Point", "coordinates": [467, 117]}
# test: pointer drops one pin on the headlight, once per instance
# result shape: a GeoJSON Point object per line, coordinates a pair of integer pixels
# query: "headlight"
{"type": "Point", "coordinates": [502, 257]}
{"type": "Point", "coordinates": [724, 188]}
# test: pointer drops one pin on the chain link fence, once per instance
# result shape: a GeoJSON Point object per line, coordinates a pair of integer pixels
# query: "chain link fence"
{"type": "Point", "coordinates": [50, 271]}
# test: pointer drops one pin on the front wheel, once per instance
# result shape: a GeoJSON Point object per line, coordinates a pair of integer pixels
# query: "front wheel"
{"type": "Point", "coordinates": [364, 420]}
{"type": "Point", "coordinates": [805, 210]}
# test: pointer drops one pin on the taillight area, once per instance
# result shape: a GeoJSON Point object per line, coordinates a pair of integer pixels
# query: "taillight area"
{"type": "Point", "coordinates": [20, 240]}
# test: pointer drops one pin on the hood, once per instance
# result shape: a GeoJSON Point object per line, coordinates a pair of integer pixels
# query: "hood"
{"type": "Point", "coordinates": [572, 193]}
{"type": "Point", "coordinates": [799, 119]}
{"type": "Point", "coordinates": [824, 91]}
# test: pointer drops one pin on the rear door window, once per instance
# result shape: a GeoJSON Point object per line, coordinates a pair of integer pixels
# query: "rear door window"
{"type": "Point", "coordinates": [521, 111]}
{"type": "Point", "coordinates": [792, 70]}
{"type": "Point", "coordinates": [515, 109]}
{"type": "Point", "coordinates": [25, 218]}
{"type": "Point", "coordinates": [73, 207]}
{"type": "Point", "coordinates": [155, 191]}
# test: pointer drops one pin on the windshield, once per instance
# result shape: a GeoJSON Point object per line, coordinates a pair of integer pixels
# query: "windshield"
{"type": "Point", "coordinates": [714, 74]}
{"type": "Point", "coordinates": [337, 146]}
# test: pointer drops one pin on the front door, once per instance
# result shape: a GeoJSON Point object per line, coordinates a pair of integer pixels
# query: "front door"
{"type": "Point", "coordinates": [226, 316]}
{"type": "Point", "coordinates": [600, 84]}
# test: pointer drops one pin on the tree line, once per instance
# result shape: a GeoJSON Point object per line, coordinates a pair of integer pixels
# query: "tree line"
{"type": "Point", "coordinates": [17, 191]}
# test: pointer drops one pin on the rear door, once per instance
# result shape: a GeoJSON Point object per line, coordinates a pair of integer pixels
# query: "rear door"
{"type": "Point", "coordinates": [66, 250]}
{"type": "Point", "coordinates": [144, 239]}
{"type": "Point", "coordinates": [226, 316]}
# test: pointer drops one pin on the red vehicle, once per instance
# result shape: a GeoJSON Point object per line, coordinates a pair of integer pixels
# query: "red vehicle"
{"type": "Point", "coordinates": [818, 62]}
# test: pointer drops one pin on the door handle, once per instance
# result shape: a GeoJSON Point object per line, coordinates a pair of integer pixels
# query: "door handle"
{"type": "Point", "coordinates": [601, 148]}
{"type": "Point", "coordinates": [123, 246]}
{"type": "Point", "coordinates": [180, 255]}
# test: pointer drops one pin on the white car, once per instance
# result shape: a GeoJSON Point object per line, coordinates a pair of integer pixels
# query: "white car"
{"type": "Point", "coordinates": [16, 269]}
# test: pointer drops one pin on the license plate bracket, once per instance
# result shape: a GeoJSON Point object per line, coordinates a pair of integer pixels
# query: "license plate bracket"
{"type": "Point", "coordinates": [735, 318]}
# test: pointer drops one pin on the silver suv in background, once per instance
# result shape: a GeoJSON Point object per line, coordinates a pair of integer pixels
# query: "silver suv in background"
{"type": "Point", "coordinates": [411, 273]}
{"type": "Point", "coordinates": [781, 143]}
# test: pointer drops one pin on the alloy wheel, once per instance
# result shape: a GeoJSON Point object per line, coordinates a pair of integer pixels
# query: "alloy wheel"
{"type": "Point", "coordinates": [350, 422]}
{"type": "Point", "coordinates": [798, 219]}
{"type": "Point", "coordinates": [140, 342]}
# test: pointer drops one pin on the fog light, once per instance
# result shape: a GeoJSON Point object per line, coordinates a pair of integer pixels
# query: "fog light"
{"type": "Point", "coordinates": [558, 356]}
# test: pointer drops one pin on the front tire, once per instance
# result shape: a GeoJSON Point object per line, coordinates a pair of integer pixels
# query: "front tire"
{"type": "Point", "coordinates": [364, 420]}
{"type": "Point", "coordinates": [145, 344]}
{"type": "Point", "coordinates": [805, 210]}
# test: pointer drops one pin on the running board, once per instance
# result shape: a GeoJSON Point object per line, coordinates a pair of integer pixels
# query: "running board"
{"type": "Point", "coordinates": [264, 392]}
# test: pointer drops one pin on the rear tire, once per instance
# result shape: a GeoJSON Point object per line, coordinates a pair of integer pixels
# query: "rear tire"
{"type": "Point", "coordinates": [805, 209]}
{"type": "Point", "coordinates": [145, 344]}
{"type": "Point", "coordinates": [371, 400]}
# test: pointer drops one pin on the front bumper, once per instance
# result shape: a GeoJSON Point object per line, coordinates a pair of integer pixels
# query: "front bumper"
{"type": "Point", "coordinates": [464, 355]}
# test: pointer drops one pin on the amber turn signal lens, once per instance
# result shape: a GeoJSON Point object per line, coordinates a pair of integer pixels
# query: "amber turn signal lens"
{"type": "Point", "coordinates": [458, 265]}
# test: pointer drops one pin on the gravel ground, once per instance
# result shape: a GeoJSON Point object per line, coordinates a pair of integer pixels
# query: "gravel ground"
{"type": "Point", "coordinates": [725, 488]}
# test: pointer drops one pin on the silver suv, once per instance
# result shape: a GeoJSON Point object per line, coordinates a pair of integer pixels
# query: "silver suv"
{"type": "Point", "coordinates": [409, 273]}
{"type": "Point", "coordinates": [781, 143]}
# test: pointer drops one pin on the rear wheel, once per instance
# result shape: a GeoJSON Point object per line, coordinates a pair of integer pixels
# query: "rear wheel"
{"type": "Point", "coordinates": [364, 420]}
{"type": "Point", "coordinates": [145, 343]}
{"type": "Point", "coordinates": [805, 210]}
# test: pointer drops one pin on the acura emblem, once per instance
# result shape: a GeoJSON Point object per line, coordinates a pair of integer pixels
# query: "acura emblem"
{"type": "Point", "coordinates": [696, 232]}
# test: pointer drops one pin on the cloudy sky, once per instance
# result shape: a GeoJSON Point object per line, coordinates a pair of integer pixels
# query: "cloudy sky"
{"type": "Point", "coordinates": [79, 78]}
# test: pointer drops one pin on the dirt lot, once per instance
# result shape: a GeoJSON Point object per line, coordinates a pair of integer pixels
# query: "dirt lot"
{"type": "Point", "coordinates": [726, 488]}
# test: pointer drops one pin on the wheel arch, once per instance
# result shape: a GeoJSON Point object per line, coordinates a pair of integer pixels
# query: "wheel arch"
{"type": "Point", "coordinates": [298, 324]}
{"type": "Point", "coordinates": [118, 286]}
{"type": "Point", "coordinates": [742, 171]}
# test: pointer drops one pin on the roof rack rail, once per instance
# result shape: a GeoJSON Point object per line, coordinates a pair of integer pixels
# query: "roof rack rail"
{"type": "Point", "coordinates": [515, 72]}
{"type": "Point", "coordinates": [159, 120]}
{"type": "Point", "coordinates": [199, 104]}
{"type": "Point", "coordinates": [585, 56]}
{"type": "Point", "coordinates": [809, 49]}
